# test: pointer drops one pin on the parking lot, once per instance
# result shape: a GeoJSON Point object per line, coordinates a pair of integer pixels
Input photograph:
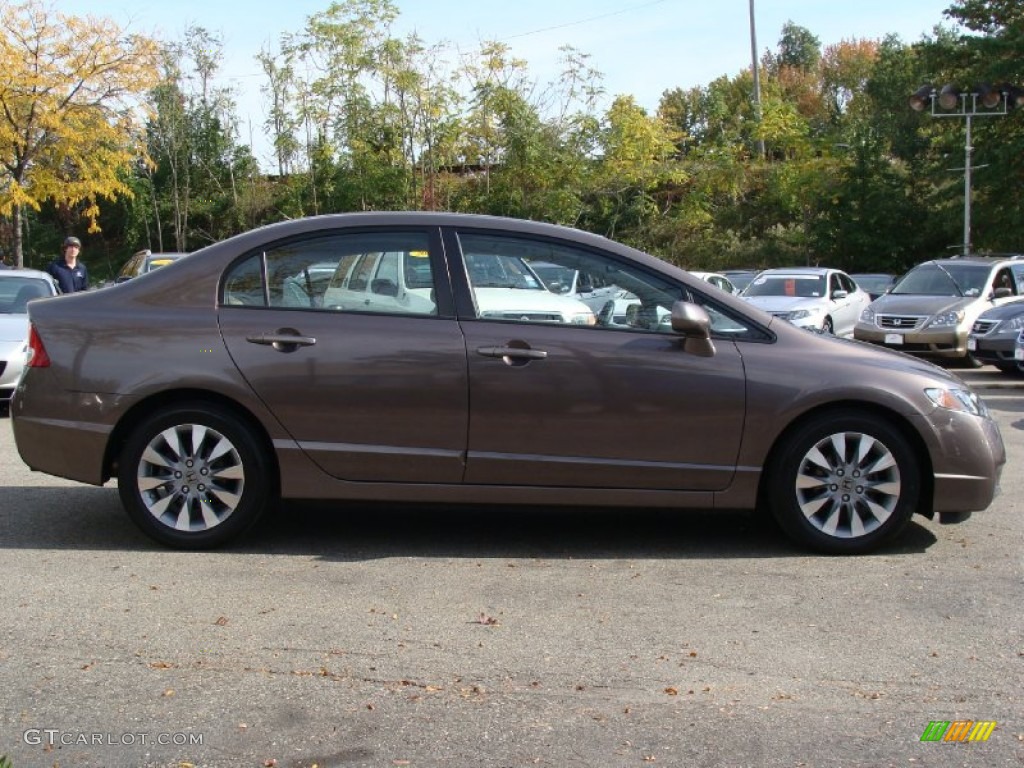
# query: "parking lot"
{"type": "Point", "coordinates": [384, 636]}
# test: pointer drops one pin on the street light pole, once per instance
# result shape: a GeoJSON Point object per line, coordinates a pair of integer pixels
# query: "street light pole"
{"type": "Point", "coordinates": [757, 78]}
{"type": "Point", "coordinates": [951, 102]}
{"type": "Point", "coordinates": [968, 151]}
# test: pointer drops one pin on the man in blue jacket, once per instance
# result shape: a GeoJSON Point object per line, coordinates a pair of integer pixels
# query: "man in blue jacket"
{"type": "Point", "coordinates": [69, 273]}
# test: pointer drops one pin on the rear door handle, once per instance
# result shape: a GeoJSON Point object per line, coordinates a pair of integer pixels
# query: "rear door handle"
{"type": "Point", "coordinates": [282, 341]}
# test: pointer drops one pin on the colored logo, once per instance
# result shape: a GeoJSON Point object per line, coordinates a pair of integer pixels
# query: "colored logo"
{"type": "Point", "coordinates": [958, 730]}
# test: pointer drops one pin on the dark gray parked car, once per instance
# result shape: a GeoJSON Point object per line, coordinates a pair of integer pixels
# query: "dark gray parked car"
{"type": "Point", "coordinates": [214, 386]}
{"type": "Point", "coordinates": [993, 337]}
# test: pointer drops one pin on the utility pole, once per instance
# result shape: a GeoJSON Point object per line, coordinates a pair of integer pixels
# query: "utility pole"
{"type": "Point", "coordinates": [757, 77]}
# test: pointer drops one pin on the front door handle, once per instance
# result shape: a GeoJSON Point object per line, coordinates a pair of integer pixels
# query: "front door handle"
{"type": "Point", "coordinates": [283, 340]}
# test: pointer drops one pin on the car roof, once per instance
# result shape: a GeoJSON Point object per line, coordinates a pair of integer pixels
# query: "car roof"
{"type": "Point", "coordinates": [815, 271]}
{"type": "Point", "coordinates": [24, 272]}
{"type": "Point", "coordinates": [973, 259]}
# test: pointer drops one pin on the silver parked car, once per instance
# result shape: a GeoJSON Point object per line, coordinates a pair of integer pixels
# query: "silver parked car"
{"type": "Point", "coordinates": [212, 387]}
{"type": "Point", "coordinates": [816, 298]}
{"type": "Point", "coordinates": [17, 288]}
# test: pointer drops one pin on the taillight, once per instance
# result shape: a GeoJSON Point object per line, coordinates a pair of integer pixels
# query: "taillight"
{"type": "Point", "coordinates": [37, 357]}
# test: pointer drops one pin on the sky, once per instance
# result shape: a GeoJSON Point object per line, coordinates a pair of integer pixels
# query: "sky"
{"type": "Point", "coordinates": [642, 47]}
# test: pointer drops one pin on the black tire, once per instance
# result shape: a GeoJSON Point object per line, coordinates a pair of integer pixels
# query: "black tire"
{"type": "Point", "coordinates": [970, 361]}
{"type": "Point", "coordinates": [194, 476]}
{"type": "Point", "coordinates": [827, 328]}
{"type": "Point", "coordinates": [844, 483]}
{"type": "Point", "coordinates": [1011, 369]}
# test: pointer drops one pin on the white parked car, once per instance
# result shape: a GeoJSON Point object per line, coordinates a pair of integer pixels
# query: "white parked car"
{"type": "Point", "coordinates": [17, 288]}
{"type": "Point", "coordinates": [816, 298]}
{"type": "Point", "coordinates": [592, 290]}
{"type": "Point", "coordinates": [716, 279]}
{"type": "Point", "coordinates": [504, 288]}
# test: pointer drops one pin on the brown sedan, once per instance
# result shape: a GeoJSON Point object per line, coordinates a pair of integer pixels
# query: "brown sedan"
{"type": "Point", "coordinates": [420, 357]}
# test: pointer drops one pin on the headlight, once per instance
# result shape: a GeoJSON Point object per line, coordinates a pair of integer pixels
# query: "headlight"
{"type": "Point", "coordinates": [583, 318]}
{"type": "Point", "coordinates": [1013, 324]}
{"type": "Point", "coordinates": [955, 399]}
{"type": "Point", "coordinates": [868, 315]}
{"type": "Point", "coordinates": [954, 317]}
{"type": "Point", "coordinates": [803, 314]}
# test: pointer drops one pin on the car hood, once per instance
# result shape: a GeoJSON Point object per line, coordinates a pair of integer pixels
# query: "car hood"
{"type": "Point", "coordinates": [910, 304]}
{"type": "Point", "coordinates": [783, 303]}
{"type": "Point", "coordinates": [1004, 311]}
{"type": "Point", "coordinates": [13, 327]}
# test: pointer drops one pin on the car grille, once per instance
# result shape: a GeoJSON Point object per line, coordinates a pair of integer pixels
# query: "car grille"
{"type": "Point", "coordinates": [981, 327]}
{"type": "Point", "coordinates": [900, 322]}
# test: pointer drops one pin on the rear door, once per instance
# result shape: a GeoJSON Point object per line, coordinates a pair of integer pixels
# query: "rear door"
{"type": "Point", "coordinates": [371, 390]}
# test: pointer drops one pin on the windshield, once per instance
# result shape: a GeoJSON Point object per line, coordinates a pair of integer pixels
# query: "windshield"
{"type": "Point", "coordinates": [809, 286]}
{"type": "Point", "coordinates": [558, 279]}
{"type": "Point", "coordinates": [498, 271]}
{"type": "Point", "coordinates": [954, 279]}
{"type": "Point", "coordinates": [16, 291]}
{"type": "Point", "coordinates": [873, 283]}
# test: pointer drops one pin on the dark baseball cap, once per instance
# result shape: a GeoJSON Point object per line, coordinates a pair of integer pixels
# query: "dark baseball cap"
{"type": "Point", "coordinates": [69, 241]}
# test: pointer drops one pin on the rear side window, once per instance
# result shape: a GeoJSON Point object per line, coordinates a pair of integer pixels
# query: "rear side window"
{"type": "Point", "coordinates": [383, 272]}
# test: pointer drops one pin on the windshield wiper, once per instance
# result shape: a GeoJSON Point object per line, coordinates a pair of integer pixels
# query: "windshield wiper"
{"type": "Point", "coordinates": [951, 279]}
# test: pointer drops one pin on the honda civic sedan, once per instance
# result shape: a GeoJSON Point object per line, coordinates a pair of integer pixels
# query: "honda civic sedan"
{"type": "Point", "coordinates": [230, 379]}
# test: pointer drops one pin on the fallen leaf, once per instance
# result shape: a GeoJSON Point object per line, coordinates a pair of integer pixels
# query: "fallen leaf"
{"type": "Point", "coordinates": [221, 621]}
{"type": "Point", "coordinates": [672, 691]}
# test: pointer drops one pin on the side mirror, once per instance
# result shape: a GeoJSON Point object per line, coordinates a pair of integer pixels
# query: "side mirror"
{"type": "Point", "coordinates": [840, 294]}
{"type": "Point", "coordinates": [1001, 293]}
{"type": "Point", "coordinates": [694, 324]}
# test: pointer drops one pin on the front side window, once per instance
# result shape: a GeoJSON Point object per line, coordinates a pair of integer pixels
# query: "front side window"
{"type": "Point", "coordinates": [358, 272]}
{"type": "Point", "coordinates": [517, 279]}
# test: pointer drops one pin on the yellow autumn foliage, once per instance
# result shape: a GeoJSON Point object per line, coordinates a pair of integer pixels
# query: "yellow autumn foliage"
{"type": "Point", "coordinates": [71, 101]}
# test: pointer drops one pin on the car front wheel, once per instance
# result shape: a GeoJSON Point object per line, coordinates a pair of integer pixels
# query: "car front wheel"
{"type": "Point", "coordinates": [194, 476]}
{"type": "Point", "coordinates": [844, 482]}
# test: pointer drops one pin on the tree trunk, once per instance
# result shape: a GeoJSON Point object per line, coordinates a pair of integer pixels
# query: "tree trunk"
{"type": "Point", "coordinates": [19, 255]}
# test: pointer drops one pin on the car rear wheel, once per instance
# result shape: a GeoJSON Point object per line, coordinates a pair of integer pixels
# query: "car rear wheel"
{"type": "Point", "coordinates": [194, 476]}
{"type": "Point", "coordinates": [844, 482]}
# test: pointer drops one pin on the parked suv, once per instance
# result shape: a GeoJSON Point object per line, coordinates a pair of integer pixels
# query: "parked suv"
{"type": "Point", "coordinates": [931, 310]}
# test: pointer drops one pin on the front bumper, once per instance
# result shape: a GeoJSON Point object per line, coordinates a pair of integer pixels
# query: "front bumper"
{"type": "Point", "coordinates": [966, 483]}
{"type": "Point", "coordinates": [942, 343]}
{"type": "Point", "coordinates": [995, 350]}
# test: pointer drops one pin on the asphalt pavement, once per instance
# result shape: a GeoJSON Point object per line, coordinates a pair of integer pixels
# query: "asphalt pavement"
{"type": "Point", "coordinates": [358, 635]}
